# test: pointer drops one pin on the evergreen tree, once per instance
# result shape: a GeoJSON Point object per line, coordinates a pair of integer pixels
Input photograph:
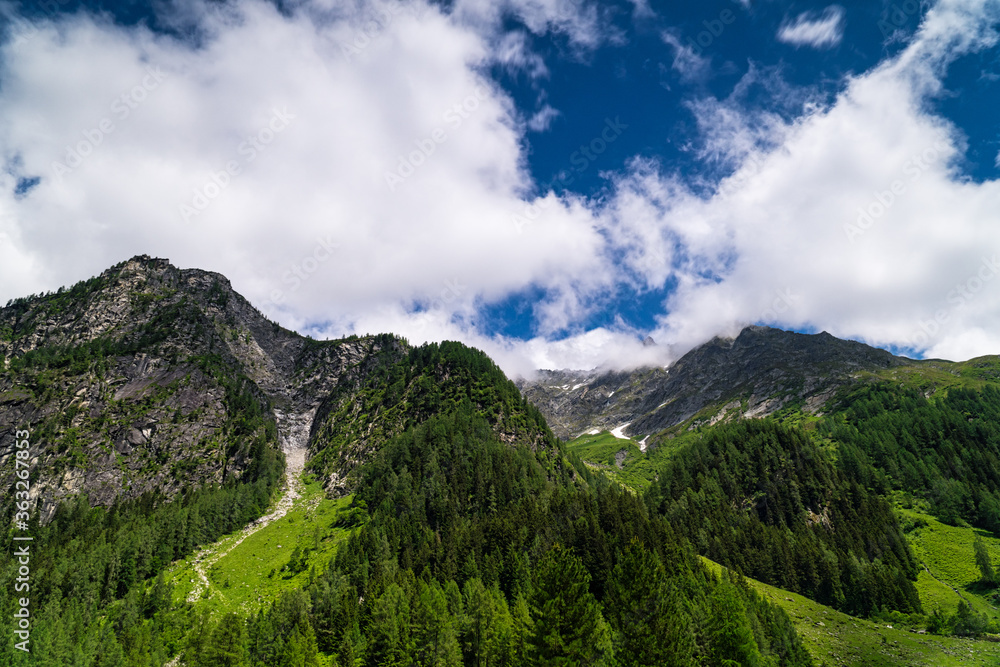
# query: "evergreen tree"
{"type": "Point", "coordinates": [198, 639]}
{"type": "Point", "coordinates": [228, 643]}
{"type": "Point", "coordinates": [389, 630]}
{"type": "Point", "coordinates": [434, 635]}
{"type": "Point", "coordinates": [300, 649]}
{"type": "Point", "coordinates": [731, 639]}
{"type": "Point", "coordinates": [487, 630]}
{"type": "Point", "coordinates": [568, 628]}
{"type": "Point", "coordinates": [521, 630]}
{"type": "Point", "coordinates": [651, 625]}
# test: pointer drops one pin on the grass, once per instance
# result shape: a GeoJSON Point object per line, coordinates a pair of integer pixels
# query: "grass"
{"type": "Point", "coordinates": [599, 451]}
{"type": "Point", "coordinates": [834, 638]}
{"type": "Point", "coordinates": [254, 572]}
{"type": "Point", "coordinates": [946, 551]}
{"type": "Point", "coordinates": [934, 376]}
{"type": "Point", "coordinates": [639, 468]}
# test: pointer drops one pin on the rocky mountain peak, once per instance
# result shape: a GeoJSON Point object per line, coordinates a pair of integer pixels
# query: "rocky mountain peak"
{"type": "Point", "coordinates": [152, 378]}
{"type": "Point", "coordinates": [754, 374]}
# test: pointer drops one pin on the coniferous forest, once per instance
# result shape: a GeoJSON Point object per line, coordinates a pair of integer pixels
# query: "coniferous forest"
{"type": "Point", "coordinates": [466, 533]}
{"type": "Point", "coordinates": [473, 553]}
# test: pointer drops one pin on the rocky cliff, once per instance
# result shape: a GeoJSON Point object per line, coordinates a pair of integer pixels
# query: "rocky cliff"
{"type": "Point", "coordinates": [152, 379]}
{"type": "Point", "coordinates": [755, 374]}
{"type": "Point", "coordinates": [149, 378]}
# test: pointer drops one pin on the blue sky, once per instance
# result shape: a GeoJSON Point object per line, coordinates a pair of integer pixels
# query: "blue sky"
{"type": "Point", "coordinates": [549, 180]}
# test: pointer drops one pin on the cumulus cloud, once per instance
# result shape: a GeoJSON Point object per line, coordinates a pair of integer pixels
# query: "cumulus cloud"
{"type": "Point", "coordinates": [820, 31]}
{"type": "Point", "coordinates": [351, 168]}
{"type": "Point", "coordinates": [335, 163]}
{"type": "Point", "coordinates": [851, 218]}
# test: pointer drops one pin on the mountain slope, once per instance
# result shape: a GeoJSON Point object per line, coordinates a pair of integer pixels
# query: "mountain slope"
{"type": "Point", "coordinates": [149, 378]}
{"type": "Point", "coordinates": [471, 537]}
{"type": "Point", "coordinates": [834, 638]}
{"type": "Point", "coordinates": [755, 374]}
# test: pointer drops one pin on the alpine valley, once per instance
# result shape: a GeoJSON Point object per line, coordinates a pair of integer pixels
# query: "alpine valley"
{"type": "Point", "coordinates": [201, 486]}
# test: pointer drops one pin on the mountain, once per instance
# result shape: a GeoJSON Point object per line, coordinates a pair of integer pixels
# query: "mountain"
{"type": "Point", "coordinates": [152, 379]}
{"type": "Point", "coordinates": [207, 488]}
{"type": "Point", "coordinates": [414, 508]}
{"type": "Point", "coordinates": [819, 466]}
{"type": "Point", "coordinates": [756, 374]}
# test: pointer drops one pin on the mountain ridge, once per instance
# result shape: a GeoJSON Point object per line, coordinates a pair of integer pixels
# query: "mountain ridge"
{"type": "Point", "coordinates": [150, 379]}
{"type": "Point", "coordinates": [755, 373]}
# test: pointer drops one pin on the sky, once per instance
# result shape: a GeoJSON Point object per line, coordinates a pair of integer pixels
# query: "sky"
{"type": "Point", "coordinates": [551, 181]}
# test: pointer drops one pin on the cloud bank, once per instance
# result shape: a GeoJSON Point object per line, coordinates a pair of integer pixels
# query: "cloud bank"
{"type": "Point", "coordinates": [352, 169]}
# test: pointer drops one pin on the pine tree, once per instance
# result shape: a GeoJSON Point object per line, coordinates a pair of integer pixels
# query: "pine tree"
{"type": "Point", "coordinates": [434, 634]}
{"type": "Point", "coordinates": [198, 638]}
{"type": "Point", "coordinates": [389, 629]}
{"type": "Point", "coordinates": [731, 640]}
{"type": "Point", "coordinates": [521, 630]}
{"type": "Point", "coordinates": [568, 628]}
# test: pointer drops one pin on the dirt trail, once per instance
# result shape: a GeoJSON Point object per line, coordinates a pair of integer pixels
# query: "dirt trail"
{"type": "Point", "coordinates": [293, 433]}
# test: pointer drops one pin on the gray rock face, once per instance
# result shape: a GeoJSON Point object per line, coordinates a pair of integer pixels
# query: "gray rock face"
{"type": "Point", "coordinates": [753, 375]}
{"type": "Point", "coordinates": [127, 381]}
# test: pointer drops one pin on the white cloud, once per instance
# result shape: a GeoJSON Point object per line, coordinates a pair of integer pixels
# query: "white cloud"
{"type": "Point", "coordinates": [641, 10]}
{"type": "Point", "coordinates": [689, 65]}
{"type": "Point", "coordinates": [542, 119]}
{"type": "Point", "coordinates": [603, 347]}
{"type": "Point", "coordinates": [820, 31]}
{"type": "Point", "coordinates": [579, 20]}
{"type": "Point", "coordinates": [513, 51]}
{"type": "Point", "coordinates": [337, 96]}
{"type": "Point", "coordinates": [359, 100]}
{"type": "Point", "coordinates": [808, 231]}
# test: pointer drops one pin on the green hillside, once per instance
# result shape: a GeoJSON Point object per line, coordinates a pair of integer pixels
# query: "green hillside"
{"type": "Point", "coordinates": [949, 574]}
{"type": "Point", "coordinates": [423, 513]}
{"type": "Point", "coordinates": [834, 638]}
{"type": "Point", "coordinates": [245, 571]}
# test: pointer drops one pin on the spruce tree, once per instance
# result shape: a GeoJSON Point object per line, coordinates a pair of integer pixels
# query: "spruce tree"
{"type": "Point", "coordinates": [731, 639]}
{"type": "Point", "coordinates": [568, 627]}
{"type": "Point", "coordinates": [228, 643]}
{"type": "Point", "coordinates": [434, 634]}
{"type": "Point", "coordinates": [389, 631]}
{"type": "Point", "coordinates": [651, 623]}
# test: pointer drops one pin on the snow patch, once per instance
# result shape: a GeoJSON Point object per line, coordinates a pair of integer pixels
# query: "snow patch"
{"type": "Point", "coordinates": [577, 386]}
{"type": "Point", "coordinates": [593, 431]}
{"type": "Point", "coordinates": [642, 444]}
{"type": "Point", "coordinates": [618, 432]}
